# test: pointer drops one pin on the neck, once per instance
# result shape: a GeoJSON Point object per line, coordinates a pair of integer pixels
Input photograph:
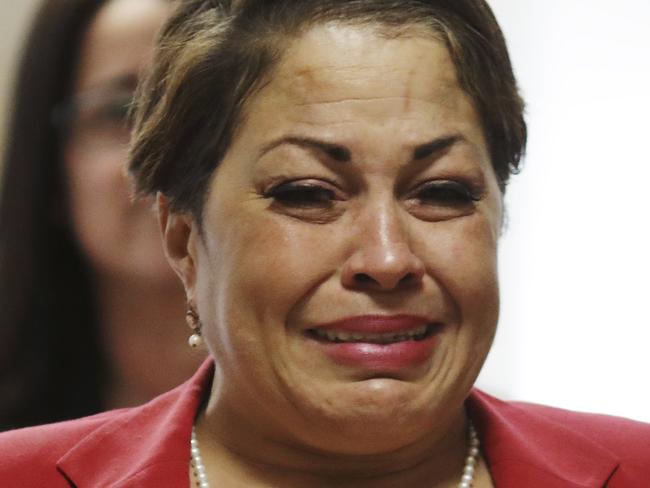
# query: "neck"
{"type": "Point", "coordinates": [146, 339]}
{"type": "Point", "coordinates": [247, 458]}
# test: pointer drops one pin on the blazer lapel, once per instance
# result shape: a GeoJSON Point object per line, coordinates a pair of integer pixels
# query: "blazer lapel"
{"type": "Point", "coordinates": [525, 447]}
{"type": "Point", "coordinates": [149, 445]}
{"type": "Point", "coordinates": [145, 446]}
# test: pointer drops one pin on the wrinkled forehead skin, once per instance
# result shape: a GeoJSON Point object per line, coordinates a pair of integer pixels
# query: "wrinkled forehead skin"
{"type": "Point", "coordinates": [385, 86]}
{"type": "Point", "coordinates": [225, 66]}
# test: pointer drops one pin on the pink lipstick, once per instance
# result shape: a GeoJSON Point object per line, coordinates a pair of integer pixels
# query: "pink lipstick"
{"type": "Point", "coordinates": [385, 343]}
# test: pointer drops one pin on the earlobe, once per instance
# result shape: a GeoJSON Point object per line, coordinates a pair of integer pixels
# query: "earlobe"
{"type": "Point", "coordinates": [177, 231]}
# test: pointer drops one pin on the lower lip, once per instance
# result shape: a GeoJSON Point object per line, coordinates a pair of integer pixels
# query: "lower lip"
{"type": "Point", "coordinates": [383, 357]}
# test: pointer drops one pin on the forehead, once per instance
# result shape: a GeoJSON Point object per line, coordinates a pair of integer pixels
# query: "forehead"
{"type": "Point", "coordinates": [337, 76]}
{"type": "Point", "coordinates": [119, 40]}
{"type": "Point", "coordinates": [333, 58]}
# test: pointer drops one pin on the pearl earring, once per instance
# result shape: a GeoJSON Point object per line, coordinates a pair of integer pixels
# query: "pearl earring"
{"type": "Point", "coordinates": [192, 318]}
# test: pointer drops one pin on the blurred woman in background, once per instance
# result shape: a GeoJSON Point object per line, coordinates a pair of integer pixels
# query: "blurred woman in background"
{"type": "Point", "coordinates": [88, 304]}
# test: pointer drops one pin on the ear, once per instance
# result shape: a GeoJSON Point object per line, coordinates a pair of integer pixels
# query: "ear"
{"type": "Point", "coordinates": [179, 233]}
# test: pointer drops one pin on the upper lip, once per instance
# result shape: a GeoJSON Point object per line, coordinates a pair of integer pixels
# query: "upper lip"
{"type": "Point", "coordinates": [376, 324]}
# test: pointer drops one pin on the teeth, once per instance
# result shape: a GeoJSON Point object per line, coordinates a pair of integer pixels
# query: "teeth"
{"type": "Point", "coordinates": [342, 336]}
{"type": "Point", "coordinates": [387, 338]}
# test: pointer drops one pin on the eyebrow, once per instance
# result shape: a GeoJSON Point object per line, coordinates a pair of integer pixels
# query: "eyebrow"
{"type": "Point", "coordinates": [334, 151]}
{"type": "Point", "coordinates": [435, 146]}
{"type": "Point", "coordinates": [342, 154]}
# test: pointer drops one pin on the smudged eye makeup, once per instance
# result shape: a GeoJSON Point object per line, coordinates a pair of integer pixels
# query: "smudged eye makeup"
{"type": "Point", "coordinates": [445, 193]}
{"type": "Point", "coordinates": [308, 194]}
{"type": "Point", "coordinates": [302, 195]}
{"type": "Point", "coordinates": [444, 199]}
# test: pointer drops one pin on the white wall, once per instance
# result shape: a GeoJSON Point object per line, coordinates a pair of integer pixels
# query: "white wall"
{"type": "Point", "coordinates": [575, 260]}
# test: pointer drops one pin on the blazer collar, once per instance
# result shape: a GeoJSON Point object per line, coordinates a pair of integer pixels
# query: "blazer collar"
{"type": "Point", "coordinates": [149, 445]}
{"type": "Point", "coordinates": [525, 447]}
{"type": "Point", "coordinates": [143, 446]}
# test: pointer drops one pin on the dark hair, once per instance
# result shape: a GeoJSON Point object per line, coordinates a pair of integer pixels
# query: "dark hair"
{"type": "Point", "coordinates": [51, 360]}
{"type": "Point", "coordinates": [213, 55]}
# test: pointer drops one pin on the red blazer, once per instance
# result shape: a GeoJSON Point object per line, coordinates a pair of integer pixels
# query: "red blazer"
{"type": "Point", "coordinates": [525, 445]}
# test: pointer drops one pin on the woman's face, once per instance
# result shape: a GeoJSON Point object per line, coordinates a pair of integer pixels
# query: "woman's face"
{"type": "Point", "coordinates": [120, 238]}
{"type": "Point", "coordinates": [346, 270]}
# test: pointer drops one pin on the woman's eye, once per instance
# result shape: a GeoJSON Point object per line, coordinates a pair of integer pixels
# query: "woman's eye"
{"type": "Point", "coordinates": [445, 193]}
{"type": "Point", "coordinates": [302, 195]}
{"type": "Point", "coordinates": [117, 111]}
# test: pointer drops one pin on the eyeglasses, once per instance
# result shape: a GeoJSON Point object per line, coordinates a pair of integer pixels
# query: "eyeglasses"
{"type": "Point", "coordinates": [98, 117]}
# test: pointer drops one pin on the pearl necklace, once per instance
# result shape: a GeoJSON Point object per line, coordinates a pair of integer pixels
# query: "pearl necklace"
{"type": "Point", "coordinates": [470, 461]}
{"type": "Point", "coordinates": [466, 480]}
{"type": "Point", "coordinates": [198, 467]}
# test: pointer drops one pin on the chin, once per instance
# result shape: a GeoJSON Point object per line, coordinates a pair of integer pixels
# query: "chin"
{"type": "Point", "coordinates": [379, 415]}
{"type": "Point", "coordinates": [376, 432]}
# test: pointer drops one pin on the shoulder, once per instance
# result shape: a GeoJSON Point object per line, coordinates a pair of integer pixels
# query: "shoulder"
{"type": "Point", "coordinates": [542, 444]}
{"type": "Point", "coordinates": [627, 438]}
{"type": "Point", "coordinates": [109, 448]}
{"type": "Point", "coordinates": [29, 456]}
{"type": "Point", "coordinates": [148, 442]}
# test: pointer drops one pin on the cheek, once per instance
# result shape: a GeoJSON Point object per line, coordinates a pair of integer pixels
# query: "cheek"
{"type": "Point", "coordinates": [113, 232]}
{"type": "Point", "coordinates": [462, 258]}
{"type": "Point", "coordinates": [286, 260]}
{"type": "Point", "coordinates": [265, 264]}
{"type": "Point", "coordinates": [95, 182]}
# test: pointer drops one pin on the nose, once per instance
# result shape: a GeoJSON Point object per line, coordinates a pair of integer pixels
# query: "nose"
{"type": "Point", "coordinates": [382, 258]}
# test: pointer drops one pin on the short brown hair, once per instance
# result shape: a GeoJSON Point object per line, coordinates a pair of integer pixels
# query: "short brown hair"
{"type": "Point", "coordinates": [214, 54]}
